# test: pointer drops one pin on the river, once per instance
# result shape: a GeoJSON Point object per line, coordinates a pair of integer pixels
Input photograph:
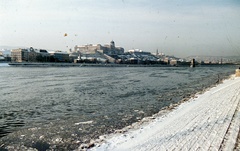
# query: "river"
{"type": "Point", "coordinates": [62, 107]}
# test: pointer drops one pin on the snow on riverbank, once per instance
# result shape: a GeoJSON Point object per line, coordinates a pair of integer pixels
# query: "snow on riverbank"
{"type": "Point", "coordinates": [209, 121]}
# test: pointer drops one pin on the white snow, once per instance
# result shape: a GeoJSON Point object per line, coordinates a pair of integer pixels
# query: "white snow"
{"type": "Point", "coordinates": [208, 122]}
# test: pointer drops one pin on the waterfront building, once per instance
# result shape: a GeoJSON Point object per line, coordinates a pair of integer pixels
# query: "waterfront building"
{"type": "Point", "coordinates": [174, 62]}
{"type": "Point", "coordinates": [5, 55]}
{"type": "Point", "coordinates": [19, 55]}
{"type": "Point", "coordinates": [60, 56]}
{"type": "Point", "coordinates": [38, 55]}
{"type": "Point", "coordinates": [29, 55]}
{"type": "Point", "coordinates": [2, 58]}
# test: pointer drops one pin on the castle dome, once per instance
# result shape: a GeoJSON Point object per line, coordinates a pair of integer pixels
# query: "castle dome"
{"type": "Point", "coordinates": [112, 42]}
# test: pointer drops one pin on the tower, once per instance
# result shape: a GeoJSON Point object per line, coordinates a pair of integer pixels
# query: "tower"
{"type": "Point", "coordinates": [112, 45]}
{"type": "Point", "coordinates": [193, 63]}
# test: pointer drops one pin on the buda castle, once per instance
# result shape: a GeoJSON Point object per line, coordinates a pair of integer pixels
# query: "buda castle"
{"type": "Point", "coordinates": [106, 49]}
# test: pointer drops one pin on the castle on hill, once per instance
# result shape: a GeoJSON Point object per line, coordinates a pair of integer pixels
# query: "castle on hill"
{"type": "Point", "coordinates": [110, 49]}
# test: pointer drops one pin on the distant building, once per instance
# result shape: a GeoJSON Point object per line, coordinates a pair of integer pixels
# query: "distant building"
{"type": "Point", "coordinates": [106, 49]}
{"type": "Point", "coordinates": [1, 56]}
{"type": "Point", "coordinates": [166, 60]}
{"type": "Point", "coordinates": [19, 55]}
{"type": "Point", "coordinates": [38, 55]}
{"type": "Point", "coordinates": [60, 56]}
{"type": "Point", "coordinates": [137, 56]}
{"type": "Point", "coordinates": [29, 55]}
{"type": "Point", "coordinates": [5, 55]}
{"type": "Point", "coordinates": [135, 50]}
{"type": "Point", "coordinates": [86, 53]}
{"type": "Point", "coordinates": [173, 62]}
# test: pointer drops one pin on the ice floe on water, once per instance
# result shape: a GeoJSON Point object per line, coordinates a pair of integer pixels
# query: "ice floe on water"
{"type": "Point", "coordinates": [87, 122]}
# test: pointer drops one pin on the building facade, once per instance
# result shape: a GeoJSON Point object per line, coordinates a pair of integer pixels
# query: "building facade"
{"type": "Point", "coordinates": [60, 56]}
{"type": "Point", "coordinates": [28, 55]}
{"type": "Point", "coordinates": [38, 55]}
{"type": "Point", "coordinates": [19, 55]}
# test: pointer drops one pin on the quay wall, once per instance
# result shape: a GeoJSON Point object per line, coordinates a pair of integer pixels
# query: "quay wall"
{"type": "Point", "coordinates": [56, 64]}
{"type": "Point", "coordinates": [82, 65]}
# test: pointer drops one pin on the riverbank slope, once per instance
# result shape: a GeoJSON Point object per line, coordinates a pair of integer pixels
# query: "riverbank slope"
{"type": "Point", "coordinates": [210, 121]}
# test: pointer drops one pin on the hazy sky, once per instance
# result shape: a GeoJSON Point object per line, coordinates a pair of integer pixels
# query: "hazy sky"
{"type": "Point", "coordinates": [175, 27]}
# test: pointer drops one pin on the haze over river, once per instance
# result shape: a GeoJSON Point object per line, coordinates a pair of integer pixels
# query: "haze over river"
{"type": "Point", "coordinates": [67, 106]}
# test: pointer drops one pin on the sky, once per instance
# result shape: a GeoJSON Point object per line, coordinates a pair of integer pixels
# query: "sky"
{"type": "Point", "coordinates": [175, 27]}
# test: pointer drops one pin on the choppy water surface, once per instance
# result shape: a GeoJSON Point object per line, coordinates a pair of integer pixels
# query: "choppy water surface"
{"type": "Point", "coordinates": [76, 104]}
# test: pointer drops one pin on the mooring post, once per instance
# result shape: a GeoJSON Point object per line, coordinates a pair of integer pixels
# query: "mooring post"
{"type": "Point", "coordinates": [193, 64]}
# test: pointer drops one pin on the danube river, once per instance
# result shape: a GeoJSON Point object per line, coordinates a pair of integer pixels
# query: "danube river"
{"type": "Point", "coordinates": [62, 107]}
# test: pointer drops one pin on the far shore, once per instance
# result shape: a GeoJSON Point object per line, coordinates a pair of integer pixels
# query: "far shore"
{"type": "Point", "coordinates": [60, 64]}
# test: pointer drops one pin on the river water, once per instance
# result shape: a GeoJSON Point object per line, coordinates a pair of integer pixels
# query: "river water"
{"type": "Point", "coordinates": [62, 107]}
